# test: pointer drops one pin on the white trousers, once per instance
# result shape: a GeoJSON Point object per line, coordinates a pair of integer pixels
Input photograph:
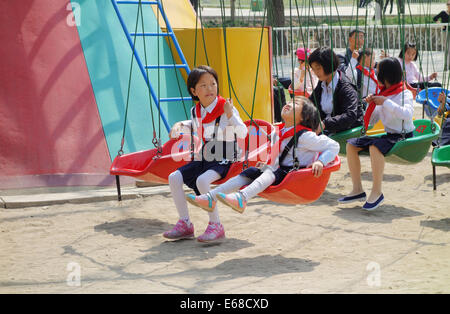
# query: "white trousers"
{"type": "Point", "coordinates": [251, 190]}
{"type": "Point", "coordinates": [203, 185]}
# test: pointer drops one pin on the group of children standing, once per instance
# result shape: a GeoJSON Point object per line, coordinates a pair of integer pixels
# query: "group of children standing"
{"type": "Point", "coordinates": [333, 106]}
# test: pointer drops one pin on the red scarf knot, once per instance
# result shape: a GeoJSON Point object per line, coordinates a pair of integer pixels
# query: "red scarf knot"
{"type": "Point", "coordinates": [210, 116]}
{"type": "Point", "coordinates": [282, 137]}
{"type": "Point", "coordinates": [370, 74]}
{"type": "Point", "coordinates": [393, 90]}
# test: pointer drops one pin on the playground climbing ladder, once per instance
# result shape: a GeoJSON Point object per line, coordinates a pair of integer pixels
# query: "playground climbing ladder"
{"type": "Point", "coordinates": [143, 67]}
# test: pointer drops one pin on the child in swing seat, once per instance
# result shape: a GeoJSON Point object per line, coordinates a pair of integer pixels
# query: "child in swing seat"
{"type": "Point", "coordinates": [394, 107]}
{"type": "Point", "coordinates": [216, 121]}
{"type": "Point", "coordinates": [304, 125]}
{"type": "Point", "coordinates": [414, 78]}
{"type": "Point", "coordinates": [361, 72]}
{"type": "Point", "coordinates": [304, 79]}
{"type": "Point", "coordinates": [443, 109]}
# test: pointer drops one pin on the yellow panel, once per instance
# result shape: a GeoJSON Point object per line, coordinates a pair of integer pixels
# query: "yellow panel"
{"type": "Point", "coordinates": [242, 51]}
{"type": "Point", "coordinates": [180, 13]}
{"type": "Point", "coordinates": [438, 119]}
{"type": "Point", "coordinates": [377, 129]}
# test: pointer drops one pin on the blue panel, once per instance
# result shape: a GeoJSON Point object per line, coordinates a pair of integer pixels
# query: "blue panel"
{"type": "Point", "coordinates": [108, 58]}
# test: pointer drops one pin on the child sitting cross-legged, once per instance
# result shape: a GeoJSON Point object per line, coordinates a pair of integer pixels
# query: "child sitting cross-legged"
{"type": "Point", "coordinates": [301, 119]}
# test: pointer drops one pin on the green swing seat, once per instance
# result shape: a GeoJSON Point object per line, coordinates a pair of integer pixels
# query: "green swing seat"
{"type": "Point", "coordinates": [412, 150]}
{"type": "Point", "coordinates": [343, 136]}
{"type": "Point", "coordinates": [440, 158]}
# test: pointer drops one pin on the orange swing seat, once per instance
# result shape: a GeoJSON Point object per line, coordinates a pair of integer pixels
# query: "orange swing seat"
{"type": "Point", "coordinates": [300, 186]}
{"type": "Point", "coordinates": [147, 166]}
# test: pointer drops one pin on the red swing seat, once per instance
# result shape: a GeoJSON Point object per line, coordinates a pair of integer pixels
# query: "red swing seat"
{"type": "Point", "coordinates": [300, 186]}
{"type": "Point", "coordinates": [411, 89]}
{"type": "Point", "coordinates": [259, 144]}
{"type": "Point", "coordinates": [144, 165]}
{"type": "Point", "coordinates": [297, 93]}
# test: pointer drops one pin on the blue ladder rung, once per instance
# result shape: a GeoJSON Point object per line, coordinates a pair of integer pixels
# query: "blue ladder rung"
{"type": "Point", "coordinates": [129, 36]}
{"type": "Point", "coordinates": [151, 34]}
{"type": "Point", "coordinates": [166, 66]}
{"type": "Point", "coordinates": [137, 2]}
{"type": "Point", "coordinates": [170, 99]}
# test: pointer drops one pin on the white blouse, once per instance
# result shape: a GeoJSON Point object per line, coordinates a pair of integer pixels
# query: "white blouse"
{"type": "Point", "coordinates": [310, 80]}
{"type": "Point", "coordinates": [352, 74]}
{"type": "Point", "coordinates": [309, 146]}
{"type": "Point", "coordinates": [227, 127]}
{"type": "Point", "coordinates": [395, 109]}
{"type": "Point", "coordinates": [412, 73]}
{"type": "Point", "coordinates": [326, 101]}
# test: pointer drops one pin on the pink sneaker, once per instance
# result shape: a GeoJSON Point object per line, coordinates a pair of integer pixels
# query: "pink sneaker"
{"type": "Point", "coordinates": [213, 232]}
{"type": "Point", "coordinates": [233, 200]}
{"type": "Point", "coordinates": [204, 201]}
{"type": "Point", "coordinates": [180, 231]}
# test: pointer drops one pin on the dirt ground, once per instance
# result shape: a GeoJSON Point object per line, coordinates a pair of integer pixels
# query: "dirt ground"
{"type": "Point", "coordinates": [402, 247]}
{"type": "Point", "coordinates": [323, 247]}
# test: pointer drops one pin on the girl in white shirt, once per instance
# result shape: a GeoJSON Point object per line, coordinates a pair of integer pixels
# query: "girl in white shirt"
{"type": "Point", "coordinates": [408, 55]}
{"type": "Point", "coordinates": [213, 119]}
{"type": "Point", "coordinates": [304, 79]}
{"type": "Point", "coordinates": [394, 107]}
{"type": "Point", "coordinates": [361, 72]}
{"type": "Point", "coordinates": [312, 150]}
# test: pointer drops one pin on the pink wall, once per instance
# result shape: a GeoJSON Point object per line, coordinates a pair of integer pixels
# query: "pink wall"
{"type": "Point", "coordinates": [50, 130]}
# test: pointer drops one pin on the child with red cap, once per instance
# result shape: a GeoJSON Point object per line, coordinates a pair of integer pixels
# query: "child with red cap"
{"type": "Point", "coordinates": [304, 79]}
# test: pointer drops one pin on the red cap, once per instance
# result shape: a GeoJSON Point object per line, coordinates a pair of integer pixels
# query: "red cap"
{"type": "Point", "coordinates": [302, 52]}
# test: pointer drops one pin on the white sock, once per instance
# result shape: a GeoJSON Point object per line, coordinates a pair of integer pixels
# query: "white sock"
{"type": "Point", "coordinates": [233, 184]}
{"type": "Point", "coordinates": [260, 184]}
{"type": "Point", "coordinates": [203, 185]}
{"type": "Point", "coordinates": [176, 187]}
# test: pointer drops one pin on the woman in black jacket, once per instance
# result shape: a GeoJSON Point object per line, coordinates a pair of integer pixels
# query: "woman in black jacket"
{"type": "Point", "coordinates": [335, 96]}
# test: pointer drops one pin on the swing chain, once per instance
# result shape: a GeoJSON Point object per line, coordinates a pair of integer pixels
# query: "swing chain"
{"type": "Point", "coordinates": [159, 151]}
{"type": "Point", "coordinates": [192, 148]}
{"type": "Point", "coordinates": [155, 140]}
{"type": "Point", "coordinates": [120, 152]}
{"type": "Point", "coordinates": [432, 125]}
{"type": "Point", "coordinates": [245, 163]}
{"type": "Point", "coordinates": [296, 164]}
{"type": "Point", "coordinates": [363, 131]}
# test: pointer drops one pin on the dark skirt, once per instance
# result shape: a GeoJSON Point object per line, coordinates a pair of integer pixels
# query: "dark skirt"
{"type": "Point", "coordinates": [423, 85]}
{"type": "Point", "coordinates": [384, 143]}
{"type": "Point", "coordinates": [445, 137]}
{"type": "Point", "coordinates": [253, 173]}
{"type": "Point", "coordinates": [196, 168]}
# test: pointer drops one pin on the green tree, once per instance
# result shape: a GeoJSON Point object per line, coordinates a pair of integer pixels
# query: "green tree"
{"type": "Point", "coordinates": [233, 11]}
{"type": "Point", "coordinates": [276, 18]}
{"type": "Point", "coordinates": [275, 13]}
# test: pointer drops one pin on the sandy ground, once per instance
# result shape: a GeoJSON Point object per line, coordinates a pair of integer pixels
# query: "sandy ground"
{"type": "Point", "coordinates": [324, 247]}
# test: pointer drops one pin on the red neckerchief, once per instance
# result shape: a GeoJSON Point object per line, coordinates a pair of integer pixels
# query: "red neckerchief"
{"type": "Point", "coordinates": [284, 136]}
{"type": "Point", "coordinates": [393, 90]}
{"type": "Point", "coordinates": [370, 74]}
{"type": "Point", "coordinates": [210, 116]}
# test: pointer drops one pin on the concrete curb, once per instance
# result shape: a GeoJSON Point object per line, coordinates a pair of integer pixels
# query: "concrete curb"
{"type": "Point", "coordinates": [79, 197]}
